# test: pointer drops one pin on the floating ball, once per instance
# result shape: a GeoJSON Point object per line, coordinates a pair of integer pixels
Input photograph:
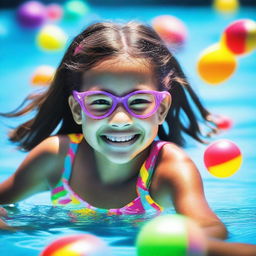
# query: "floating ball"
{"type": "Point", "coordinates": [171, 29]}
{"type": "Point", "coordinates": [43, 75]}
{"type": "Point", "coordinates": [54, 12]}
{"type": "Point", "coordinates": [222, 158]}
{"type": "Point", "coordinates": [76, 245]}
{"type": "Point", "coordinates": [216, 64]}
{"type": "Point", "coordinates": [222, 122]}
{"type": "Point", "coordinates": [174, 235]}
{"type": "Point", "coordinates": [226, 6]}
{"type": "Point", "coordinates": [75, 9]}
{"type": "Point", "coordinates": [31, 14]}
{"type": "Point", "coordinates": [240, 36]}
{"type": "Point", "coordinates": [51, 38]}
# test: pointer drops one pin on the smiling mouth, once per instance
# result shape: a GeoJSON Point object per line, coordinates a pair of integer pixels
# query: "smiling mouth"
{"type": "Point", "coordinates": [120, 140]}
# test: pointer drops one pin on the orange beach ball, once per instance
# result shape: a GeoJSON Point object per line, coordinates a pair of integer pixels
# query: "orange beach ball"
{"type": "Point", "coordinates": [43, 75]}
{"type": "Point", "coordinates": [216, 64]}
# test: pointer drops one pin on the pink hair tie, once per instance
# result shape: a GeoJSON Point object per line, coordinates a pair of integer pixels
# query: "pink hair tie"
{"type": "Point", "coordinates": [77, 49]}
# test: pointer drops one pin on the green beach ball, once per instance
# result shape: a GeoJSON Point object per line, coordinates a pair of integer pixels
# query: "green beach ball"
{"type": "Point", "coordinates": [171, 235]}
{"type": "Point", "coordinates": [75, 9]}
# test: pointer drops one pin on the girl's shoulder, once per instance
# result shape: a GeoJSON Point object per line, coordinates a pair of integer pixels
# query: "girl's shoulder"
{"type": "Point", "coordinates": [174, 162]}
{"type": "Point", "coordinates": [175, 173]}
{"type": "Point", "coordinates": [172, 152]}
{"type": "Point", "coordinates": [54, 145]}
{"type": "Point", "coordinates": [171, 173]}
{"type": "Point", "coordinates": [41, 168]}
{"type": "Point", "coordinates": [58, 144]}
{"type": "Point", "coordinates": [52, 152]}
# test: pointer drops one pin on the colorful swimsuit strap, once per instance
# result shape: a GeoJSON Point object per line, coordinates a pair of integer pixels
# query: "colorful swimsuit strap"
{"type": "Point", "coordinates": [152, 163]}
{"type": "Point", "coordinates": [59, 193]}
{"type": "Point", "coordinates": [145, 177]}
{"type": "Point", "coordinates": [75, 139]}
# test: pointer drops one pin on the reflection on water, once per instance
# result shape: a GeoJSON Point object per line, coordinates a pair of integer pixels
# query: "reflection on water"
{"type": "Point", "coordinates": [37, 226]}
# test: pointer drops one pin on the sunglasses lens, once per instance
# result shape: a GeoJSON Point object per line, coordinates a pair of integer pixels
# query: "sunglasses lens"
{"type": "Point", "coordinates": [141, 103]}
{"type": "Point", "coordinates": [98, 104]}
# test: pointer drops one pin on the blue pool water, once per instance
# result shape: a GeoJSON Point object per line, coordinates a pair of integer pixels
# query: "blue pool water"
{"type": "Point", "coordinates": [233, 199]}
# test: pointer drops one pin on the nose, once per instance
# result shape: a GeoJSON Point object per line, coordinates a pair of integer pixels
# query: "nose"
{"type": "Point", "coordinates": [120, 118]}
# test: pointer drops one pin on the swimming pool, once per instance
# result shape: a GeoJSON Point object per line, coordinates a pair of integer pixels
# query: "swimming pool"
{"type": "Point", "coordinates": [233, 199]}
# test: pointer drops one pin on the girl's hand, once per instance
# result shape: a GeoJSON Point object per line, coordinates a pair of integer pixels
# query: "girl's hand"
{"type": "Point", "coordinates": [3, 225]}
{"type": "Point", "coordinates": [3, 212]}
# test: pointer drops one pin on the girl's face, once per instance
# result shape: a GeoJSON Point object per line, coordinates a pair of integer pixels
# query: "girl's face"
{"type": "Point", "coordinates": [119, 137]}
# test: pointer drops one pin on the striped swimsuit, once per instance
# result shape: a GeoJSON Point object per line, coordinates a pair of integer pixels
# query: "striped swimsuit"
{"type": "Point", "coordinates": [63, 195]}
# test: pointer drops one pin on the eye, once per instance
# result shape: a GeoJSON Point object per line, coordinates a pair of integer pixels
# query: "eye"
{"type": "Point", "coordinates": [100, 102]}
{"type": "Point", "coordinates": [139, 101]}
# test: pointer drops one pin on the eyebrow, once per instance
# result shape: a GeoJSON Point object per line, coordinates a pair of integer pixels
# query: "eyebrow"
{"type": "Point", "coordinates": [112, 92]}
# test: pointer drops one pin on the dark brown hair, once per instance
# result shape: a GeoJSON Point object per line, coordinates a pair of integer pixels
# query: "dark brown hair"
{"type": "Point", "coordinates": [95, 44]}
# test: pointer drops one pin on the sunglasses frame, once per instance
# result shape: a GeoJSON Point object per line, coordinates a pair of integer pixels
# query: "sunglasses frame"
{"type": "Point", "coordinates": [159, 96]}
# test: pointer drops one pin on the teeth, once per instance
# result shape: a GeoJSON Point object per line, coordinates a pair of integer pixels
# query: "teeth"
{"type": "Point", "coordinates": [120, 139]}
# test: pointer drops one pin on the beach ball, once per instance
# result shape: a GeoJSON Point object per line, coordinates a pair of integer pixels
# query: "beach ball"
{"type": "Point", "coordinates": [54, 12]}
{"type": "Point", "coordinates": [240, 36]}
{"type": "Point", "coordinates": [75, 9]}
{"type": "Point", "coordinates": [223, 158]}
{"type": "Point", "coordinates": [174, 235]}
{"type": "Point", "coordinates": [31, 14]}
{"type": "Point", "coordinates": [77, 245]}
{"type": "Point", "coordinates": [171, 29]}
{"type": "Point", "coordinates": [43, 75]}
{"type": "Point", "coordinates": [222, 122]}
{"type": "Point", "coordinates": [216, 64]}
{"type": "Point", "coordinates": [226, 6]}
{"type": "Point", "coordinates": [51, 38]}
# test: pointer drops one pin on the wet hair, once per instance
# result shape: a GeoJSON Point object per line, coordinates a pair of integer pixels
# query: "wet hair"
{"type": "Point", "coordinates": [99, 42]}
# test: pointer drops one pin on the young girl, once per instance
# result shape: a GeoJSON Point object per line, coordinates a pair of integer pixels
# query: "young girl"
{"type": "Point", "coordinates": [93, 139]}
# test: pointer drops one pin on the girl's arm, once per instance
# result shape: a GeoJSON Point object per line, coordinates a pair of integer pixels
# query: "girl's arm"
{"type": "Point", "coordinates": [220, 248]}
{"type": "Point", "coordinates": [33, 174]}
{"type": "Point", "coordinates": [177, 173]}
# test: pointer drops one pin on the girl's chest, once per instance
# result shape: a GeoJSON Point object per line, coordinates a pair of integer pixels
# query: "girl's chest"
{"type": "Point", "coordinates": [90, 189]}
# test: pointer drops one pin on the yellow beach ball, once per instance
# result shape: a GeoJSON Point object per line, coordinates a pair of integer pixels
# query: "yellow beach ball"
{"type": "Point", "coordinates": [51, 38]}
{"type": "Point", "coordinates": [216, 64]}
{"type": "Point", "coordinates": [226, 6]}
